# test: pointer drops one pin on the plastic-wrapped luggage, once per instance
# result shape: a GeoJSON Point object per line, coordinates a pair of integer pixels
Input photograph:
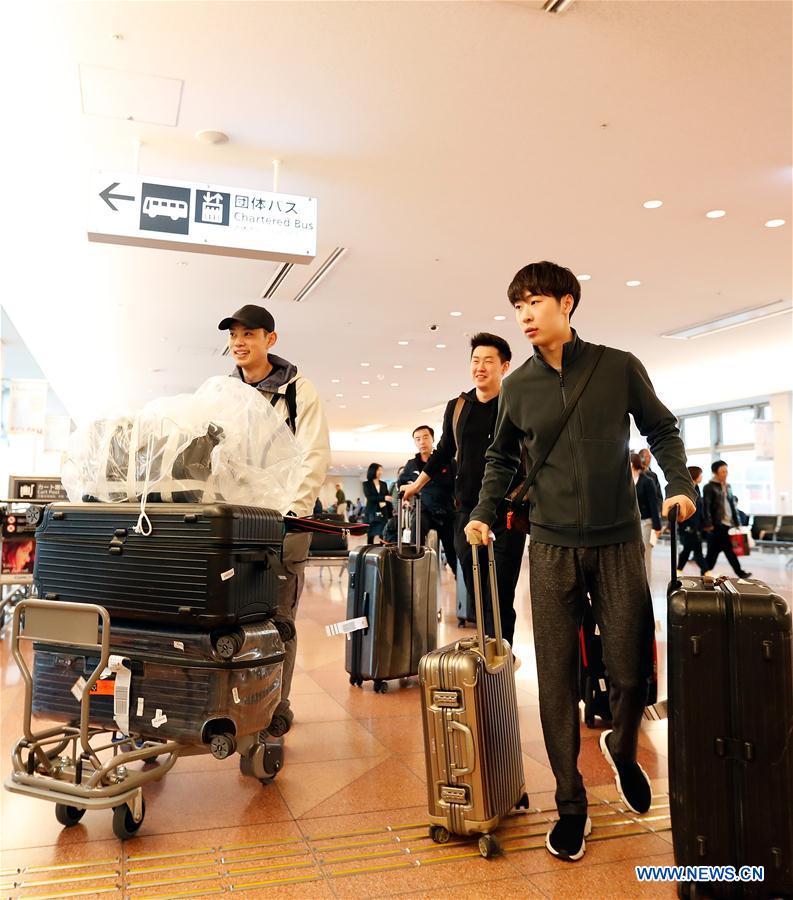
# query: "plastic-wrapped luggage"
{"type": "Point", "coordinates": [201, 565]}
{"type": "Point", "coordinates": [191, 687]}
{"type": "Point", "coordinates": [471, 733]}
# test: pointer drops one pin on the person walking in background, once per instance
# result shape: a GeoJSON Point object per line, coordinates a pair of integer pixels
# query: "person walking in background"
{"type": "Point", "coordinates": [341, 501]}
{"type": "Point", "coordinates": [646, 458]}
{"type": "Point", "coordinates": [649, 512]}
{"type": "Point", "coordinates": [691, 530]}
{"type": "Point", "coordinates": [378, 502]}
{"type": "Point", "coordinates": [719, 514]}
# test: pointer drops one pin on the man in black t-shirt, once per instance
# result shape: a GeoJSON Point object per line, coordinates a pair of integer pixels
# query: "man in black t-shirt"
{"type": "Point", "coordinates": [468, 427]}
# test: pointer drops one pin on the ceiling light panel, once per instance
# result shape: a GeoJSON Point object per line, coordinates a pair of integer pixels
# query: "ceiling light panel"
{"type": "Point", "coordinates": [732, 320]}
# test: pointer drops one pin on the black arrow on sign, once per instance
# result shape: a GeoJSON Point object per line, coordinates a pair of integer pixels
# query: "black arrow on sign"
{"type": "Point", "coordinates": [107, 196]}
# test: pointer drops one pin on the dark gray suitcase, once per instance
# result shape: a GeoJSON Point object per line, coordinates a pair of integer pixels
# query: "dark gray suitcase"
{"type": "Point", "coordinates": [211, 689]}
{"type": "Point", "coordinates": [466, 608]}
{"type": "Point", "coordinates": [731, 730]}
{"type": "Point", "coordinates": [395, 587]}
{"type": "Point", "coordinates": [201, 566]}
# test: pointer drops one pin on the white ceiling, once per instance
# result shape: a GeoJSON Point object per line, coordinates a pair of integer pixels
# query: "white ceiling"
{"type": "Point", "coordinates": [448, 144]}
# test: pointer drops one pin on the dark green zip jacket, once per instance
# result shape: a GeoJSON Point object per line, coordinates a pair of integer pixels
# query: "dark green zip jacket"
{"type": "Point", "coordinates": [584, 494]}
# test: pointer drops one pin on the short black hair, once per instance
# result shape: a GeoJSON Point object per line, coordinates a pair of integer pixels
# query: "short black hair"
{"type": "Point", "coordinates": [636, 462]}
{"type": "Point", "coordinates": [717, 465]}
{"type": "Point", "coordinates": [544, 279]}
{"type": "Point", "coordinates": [694, 472]}
{"type": "Point", "coordinates": [424, 428]}
{"type": "Point", "coordinates": [372, 471]}
{"type": "Point", "coordinates": [485, 339]}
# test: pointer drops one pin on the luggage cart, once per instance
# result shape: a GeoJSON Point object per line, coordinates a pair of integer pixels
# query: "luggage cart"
{"type": "Point", "coordinates": [79, 768]}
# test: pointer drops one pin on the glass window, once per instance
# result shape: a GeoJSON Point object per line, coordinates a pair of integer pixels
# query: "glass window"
{"type": "Point", "coordinates": [752, 481]}
{"type": "Point", "coordinates": [696, 431]}
{"type": "Point", "coordinates": [737, 426]}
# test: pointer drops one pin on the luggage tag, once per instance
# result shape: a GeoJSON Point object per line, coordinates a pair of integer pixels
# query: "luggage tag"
{"type": "Point", "coordinates": [348, 626]}
{"type": "Point", "coordinates": [123, 678]}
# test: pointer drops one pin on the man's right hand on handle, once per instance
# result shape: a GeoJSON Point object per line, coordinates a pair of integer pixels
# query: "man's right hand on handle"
{"type": "Point", "coordinates": [408, 491]}
{"type": "Point", "coordinates": [478, 533]}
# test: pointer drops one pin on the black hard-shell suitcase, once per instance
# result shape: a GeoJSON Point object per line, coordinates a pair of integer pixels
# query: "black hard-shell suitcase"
{"type": "Point", "coordinates": [395, 587]}
{"type": "Point", "coordinates": [201, 566]}
{"type": "Point", "coordinates": [731, 730]}
{"type": "Point", "coordinates": [185, 686]}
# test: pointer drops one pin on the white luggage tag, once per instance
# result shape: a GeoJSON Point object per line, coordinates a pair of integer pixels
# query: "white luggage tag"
{"type": "Point", "coordinates": [348, 626]}
{"type": "Point", "coordinates": [121, 691]}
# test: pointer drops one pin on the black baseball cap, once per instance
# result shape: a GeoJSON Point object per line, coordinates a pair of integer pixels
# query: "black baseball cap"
{"type": "Point", "coordinates": [251, 317]}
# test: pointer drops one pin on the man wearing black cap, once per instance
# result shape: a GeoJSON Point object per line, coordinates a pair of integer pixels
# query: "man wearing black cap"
{"type": "Point", "coordinates": [251, 335]}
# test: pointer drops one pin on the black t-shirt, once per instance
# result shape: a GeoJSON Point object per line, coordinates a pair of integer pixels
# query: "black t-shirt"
{"type": "Point", "coordinates": [477, 436]}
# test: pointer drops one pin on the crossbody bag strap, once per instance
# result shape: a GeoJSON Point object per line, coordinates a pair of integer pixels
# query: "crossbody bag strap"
{"type": "Point", "coordinates": [568, 411]}
{"type": "Point", "coordinates": [458, 409]}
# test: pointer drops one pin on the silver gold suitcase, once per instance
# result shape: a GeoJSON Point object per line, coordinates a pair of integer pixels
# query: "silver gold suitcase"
{"type": "Point", "coordinates": [471, 734]}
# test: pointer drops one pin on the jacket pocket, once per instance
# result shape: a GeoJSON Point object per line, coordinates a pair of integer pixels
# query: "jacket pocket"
{"type": "Point", "coordinates": [608, 493]}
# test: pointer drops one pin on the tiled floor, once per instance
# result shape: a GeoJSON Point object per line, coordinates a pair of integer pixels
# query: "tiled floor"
{"type": "Point", "coordinates": [354, 769]}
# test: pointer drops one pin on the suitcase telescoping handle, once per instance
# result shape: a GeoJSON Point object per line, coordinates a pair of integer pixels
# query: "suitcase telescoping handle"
{"type": "Point", "coordinates": [402, 523]}
{"type": "Point", "coordinates": [674, 582]}
{"type": "Point", "coordinates": [480, 611]}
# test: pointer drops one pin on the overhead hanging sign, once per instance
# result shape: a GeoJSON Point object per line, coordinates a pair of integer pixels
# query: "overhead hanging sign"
{"type": "Point", "coordinates": [202, 218]}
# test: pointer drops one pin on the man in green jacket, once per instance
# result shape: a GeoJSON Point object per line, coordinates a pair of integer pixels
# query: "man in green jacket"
{"type": "Point", "coordinates": [585, 532]}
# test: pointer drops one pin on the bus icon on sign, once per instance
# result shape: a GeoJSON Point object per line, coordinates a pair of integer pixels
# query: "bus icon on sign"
{"type": "Point", "coordinates": [161, 206]}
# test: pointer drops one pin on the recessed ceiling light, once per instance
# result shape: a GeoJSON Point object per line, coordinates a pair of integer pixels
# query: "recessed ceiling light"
{"type": "Point", "coordinates": [430, 368]}
{"type": "Point", "coordinates": [342, 406]}
{"type": "Point", "coordinates": [715, 214]}
{"type": "Point", "coordinates": [402, 343]}
{"type": "Point", "coordinates": [365, 365]}
{"type": "Point", "coordinates": [499, 318]}
{"type": "Point", "coordinates": [365, 397]}
{"type": "Point", "coordinates": [633, 283]}
{"type": "Point", "coordinates": [774, 223]}
{"type": "Point", "coordinates": [455, 313]}
{"type": "Point", "coordinates": [440, 346]}
{"type": "Point", "coordinates": [335, 380]}
{"type": "Point", "coordinates": [397, 366]}
{"type": "Point", "coordinates": [584, 277]}
{"type": "Point", "coordinates": [339, 395]}
{"type": "Point", "coordinates": [394, 384]}
{"type": "Point", "coordinates": [208, 136]}
{"type": "Point", "coordinates": [652, 204]}
{"type": "Point", "coordinates": [364, 382]}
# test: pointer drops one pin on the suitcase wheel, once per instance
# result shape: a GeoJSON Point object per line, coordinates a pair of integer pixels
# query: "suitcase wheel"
{"type": "Point", "coordinates": [264, 762]}
{"type": "Point", "coordinates": [68, 815]}
{"type": "Point", "coordinates": [489, 846]}
{"type": "Point", "coordinates": [279, 725]}
{"type": "Point", "coordinates": [523, 803]}
{"type": "Point", "coordinates": [356, 682]}
{"type": "Point", "coordinates": [227, 646]}
{"type": "Point", "coordinates": [222, 745]}
{"type": "Point", "coordinates": [461, 623]}
{"type": "Point", "coordinates": [380, 687]}
{"type": "Point", "coordinates": [124, 824]}
{"type": "Point", "coordinates": [439, 834]}
{"type": "Point", "coordinates": [285, 629]}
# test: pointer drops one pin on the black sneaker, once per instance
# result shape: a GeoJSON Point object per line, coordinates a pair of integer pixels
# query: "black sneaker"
{"type": "Point", "coordinates": [744, 574]}
{"type": "Point", "coordinates": [632, 781]}
{"type": "Point", "coordinates": [566, 839]}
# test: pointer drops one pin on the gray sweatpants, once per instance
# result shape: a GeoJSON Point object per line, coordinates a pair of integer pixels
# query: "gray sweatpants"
{"type": "Point", "coordinates": [615, 579]}
{"type": "Point", "coordinates": [296, 547]}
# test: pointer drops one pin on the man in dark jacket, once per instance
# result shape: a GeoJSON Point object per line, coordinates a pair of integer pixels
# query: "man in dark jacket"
{"type": "Point", "coordinates": [437, 498]}
{"type": "Point", "coordinates": [468, 427]}
{"type": "Point", "coordinates": [585, 534]}
{"type": "Point", "coordinates": [691, 530]}
{"type": "Point", "coordinates": [719, 515]}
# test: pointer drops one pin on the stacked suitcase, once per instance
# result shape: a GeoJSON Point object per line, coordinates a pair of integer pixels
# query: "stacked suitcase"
{"type": "Point", "coordinates": [191, 604]}
{"type": "Point", "coordinates": [731, 731]}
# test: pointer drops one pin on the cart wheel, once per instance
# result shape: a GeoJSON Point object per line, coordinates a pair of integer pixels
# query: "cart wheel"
{"type": "Point", "coordinates": [68, 815]}
{"type": "Point", "coordinates": [222, 745]}
{"type": "Point", "coordinates": [279, 725]}
{"type": "Point", "coordinates": [461, 623]}
{"type": "Point", "coordinates": [228, 646]}
{"type": "Point", "coordinates": [286, 629]}
{"type": "Point", "coordinates": [381, 687]}
{"type": "Point", "coordinates": [523, 803]}
{"type": "Point", "coordinates": [124, 825]}
{"type": "Point", "coordinates": [489, 846]}
{"type": "Point", "coordinates": [439, 834]}
{"type": "Point", "coordinates": [264, 762]}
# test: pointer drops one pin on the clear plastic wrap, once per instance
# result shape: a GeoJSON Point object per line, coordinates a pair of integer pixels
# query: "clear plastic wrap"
{"type": "Point", "coordinates": [224, 442]}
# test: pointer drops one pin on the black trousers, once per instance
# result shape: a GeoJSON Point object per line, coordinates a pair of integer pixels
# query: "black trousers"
{"type": "Point", "coordinates": [615, 580]}
{"type": "Point", "coordinates": [444, 525]}
{"type": "Point", "coordinates": [691, 546]}
{"type": "Point", "coordinates": [508, 551]}
{"type": "Point", "coordinates": [719, 542]}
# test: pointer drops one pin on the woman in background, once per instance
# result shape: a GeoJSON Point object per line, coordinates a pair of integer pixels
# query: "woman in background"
{"type": "Point", "coordinates": [378, 502]}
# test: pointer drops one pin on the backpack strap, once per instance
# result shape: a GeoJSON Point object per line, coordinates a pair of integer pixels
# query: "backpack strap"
{"type": "Point", "coordinates": [290, 395]}
{"type": "Point", "coordinates": [456, 427]}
